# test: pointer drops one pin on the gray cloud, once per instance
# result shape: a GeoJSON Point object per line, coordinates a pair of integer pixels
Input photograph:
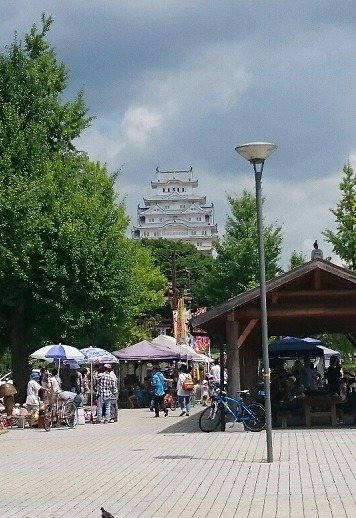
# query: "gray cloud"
{"type": "Point", "coordinates": [182, 83]}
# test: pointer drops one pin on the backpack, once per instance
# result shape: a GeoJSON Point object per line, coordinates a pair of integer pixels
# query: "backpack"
{"type": "Point", "coordinates": [188, 384]}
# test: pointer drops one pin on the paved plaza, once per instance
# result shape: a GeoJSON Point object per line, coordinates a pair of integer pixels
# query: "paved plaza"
{"type": "Point", "coordinates": [155, 468]}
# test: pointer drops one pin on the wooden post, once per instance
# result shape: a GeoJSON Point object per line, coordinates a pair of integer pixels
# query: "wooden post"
{"type": "Point", "coordinates": [233, 357]}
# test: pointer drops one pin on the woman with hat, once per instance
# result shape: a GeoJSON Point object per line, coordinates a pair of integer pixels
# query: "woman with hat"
{"type": "Point", "coordinates": [32, 399]}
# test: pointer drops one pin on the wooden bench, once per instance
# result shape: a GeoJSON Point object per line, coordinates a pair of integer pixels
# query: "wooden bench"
{"type": "Point", "coordinates": [320, 406]}
{"type": "Point", "coordinates": [349, 417]}
{"type": "Point", "coordinates": [283, 418]}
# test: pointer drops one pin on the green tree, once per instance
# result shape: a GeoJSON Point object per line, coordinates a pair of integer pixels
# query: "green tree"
{"type": "Point", "coordinates": [193, 268]}
{"type": "Point", "coordinates": [236, 268]}
{"type": "Point", "coordinates": [67, 270]}
{"type": "Point", "coordinates": [296, 259]}
{"type": "Point", "coordinates": [343, 239]}
{"type": "Point", "coordinates": [338, 342]}
{"type": "Point", "coordinates": [146, 288]}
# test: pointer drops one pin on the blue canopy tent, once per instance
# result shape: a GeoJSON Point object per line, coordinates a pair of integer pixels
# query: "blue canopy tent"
{"type": "Point", "coordinates": [291, 347]}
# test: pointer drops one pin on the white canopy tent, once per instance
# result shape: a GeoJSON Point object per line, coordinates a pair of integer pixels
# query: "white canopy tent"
{"type": "Point", "coordinates": [170, 342]}
{"type": "Point", "coordinates": [324, 360]}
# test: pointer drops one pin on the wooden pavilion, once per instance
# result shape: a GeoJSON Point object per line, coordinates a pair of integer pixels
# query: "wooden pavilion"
{"type": "Point", "coordinates": [316, 297]}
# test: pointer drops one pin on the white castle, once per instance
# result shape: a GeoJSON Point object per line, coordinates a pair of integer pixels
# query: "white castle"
{"type": "Point", "coordinates": [175, 212]}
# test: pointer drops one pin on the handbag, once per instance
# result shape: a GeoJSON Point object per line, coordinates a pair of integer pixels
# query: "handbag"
{"type": "Point", "coordinates": [188, 384]}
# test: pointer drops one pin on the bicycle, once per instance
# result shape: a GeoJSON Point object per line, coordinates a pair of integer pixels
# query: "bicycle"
{"type": "Point", "coordinates": [60, 412]}
{"type": "Point", "coordinates": [252, 416]}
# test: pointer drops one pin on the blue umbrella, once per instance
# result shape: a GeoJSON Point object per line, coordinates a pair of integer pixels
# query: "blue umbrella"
{"type": "Point", "coordinates": [58, 352]}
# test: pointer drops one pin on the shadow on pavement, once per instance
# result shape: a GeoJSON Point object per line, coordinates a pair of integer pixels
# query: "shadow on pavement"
{"type": "Point", "coordinates": [181, 425]}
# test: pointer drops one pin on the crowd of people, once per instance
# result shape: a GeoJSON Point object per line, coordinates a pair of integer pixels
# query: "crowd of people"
{"type": "Point", "coordinates": [178, 383]}
{"type": "Point", "coordinates": [289, 386]}
{"type": "Point", "coordinates": [74, 383]}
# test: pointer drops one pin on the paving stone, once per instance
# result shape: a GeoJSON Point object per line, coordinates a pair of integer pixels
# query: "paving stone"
{"type": "Point", "coordinates": [147, 467]}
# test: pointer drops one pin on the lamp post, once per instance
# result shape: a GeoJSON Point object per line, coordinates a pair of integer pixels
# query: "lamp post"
{"type": "Point", "coordinates": [256, 153]}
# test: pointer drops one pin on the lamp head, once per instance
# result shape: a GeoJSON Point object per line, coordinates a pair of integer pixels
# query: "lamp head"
{"type": "Point", "coordinates": [256, 152]}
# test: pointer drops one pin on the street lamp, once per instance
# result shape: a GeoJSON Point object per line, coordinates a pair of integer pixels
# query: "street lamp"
{"type": "Point", "coordinates": [257, 153]}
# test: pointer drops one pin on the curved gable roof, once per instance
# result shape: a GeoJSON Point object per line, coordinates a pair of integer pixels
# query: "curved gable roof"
{"type": "Point", "coordinates": [317, 296]}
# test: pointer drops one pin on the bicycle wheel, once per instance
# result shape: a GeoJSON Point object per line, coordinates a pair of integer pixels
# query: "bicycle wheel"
{"type": "Point", "coordinates": [254, 417]}
{"type": "Point", "coordinates": [70, 414]}
{"type": "Point", "coordinates": [48, 419]}
{"type": "Point", "coordinates": [210, 418]}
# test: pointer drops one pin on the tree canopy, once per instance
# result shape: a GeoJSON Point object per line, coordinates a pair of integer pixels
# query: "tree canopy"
{"type": "Point", "coordinates": [296, 259]}
{"type": "Point", "coordinates": [236, 268]}
{"type": "Point", "coordinates": [343, 240]}
{"type": "Point", "coordinates": [193, 268]}
{"type": "Point", "coordinates": [67, 270]}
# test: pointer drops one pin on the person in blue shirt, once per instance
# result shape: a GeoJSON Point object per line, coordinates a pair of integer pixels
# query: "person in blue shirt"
{"type": "Point", "coordinates": [158, 383]}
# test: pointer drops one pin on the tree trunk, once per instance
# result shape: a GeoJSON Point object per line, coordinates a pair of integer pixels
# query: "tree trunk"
{"type": "Point", "coordinates": [19, 355]}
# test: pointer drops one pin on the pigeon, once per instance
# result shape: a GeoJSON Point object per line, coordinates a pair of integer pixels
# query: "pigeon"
{"type": "Point", "coordinates": [105, 514]}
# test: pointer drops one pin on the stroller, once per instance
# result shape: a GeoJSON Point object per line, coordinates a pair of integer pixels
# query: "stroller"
{"type": "Point", "coordinates": [169, 401]}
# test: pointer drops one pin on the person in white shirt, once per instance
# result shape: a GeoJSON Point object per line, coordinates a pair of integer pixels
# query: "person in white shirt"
{"type": "Point", "coordinates": [183, 395]}
{"type": "Point", "coordinates": [113, 400]}
{"type": "Point", "coordinates": [32, 399]}
{"type": "Point", "coordinates": [215, 373]}
{"type": "Point", "coordinates": [53, 386]}
{"type": "Point", "coordinates": [54, 391]}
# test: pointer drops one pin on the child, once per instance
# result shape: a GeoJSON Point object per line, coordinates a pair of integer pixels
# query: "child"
{"type": "Point", "coordinates": [204, 393]}
{"type": "Point", "coordinates": [136, 397]}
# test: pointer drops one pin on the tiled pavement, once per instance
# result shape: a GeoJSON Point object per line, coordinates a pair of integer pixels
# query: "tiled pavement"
{"type": "Point", "coordinates": [146, 467]}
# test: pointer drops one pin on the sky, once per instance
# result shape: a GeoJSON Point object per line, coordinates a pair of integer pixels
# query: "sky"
{"type": "Point", "coordinates": [181, 83]}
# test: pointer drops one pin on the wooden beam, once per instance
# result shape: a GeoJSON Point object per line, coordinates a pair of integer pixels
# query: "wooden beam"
{"type": "Point", "coordinates": [275, 296]}
{"type": "Point", "coordinates": [230, 316]}
{"type": "Point", "coordinates": [317, 279]}
{"type": "Point", "coordinates": [253, 313]}
{"type": "Point", "coordinates": [246, 332]}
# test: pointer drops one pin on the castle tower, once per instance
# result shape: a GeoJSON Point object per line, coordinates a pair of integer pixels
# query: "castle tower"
{"type": "Point", "coordinates": [174, 211]}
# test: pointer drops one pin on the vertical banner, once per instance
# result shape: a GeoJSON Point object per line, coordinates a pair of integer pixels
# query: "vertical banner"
{"type": "Point", "coordinates": [174, 312]}
{"type": "Point", "coordinates": [181, 333]}
{"type": "Point", "coordinates": [201, 343]}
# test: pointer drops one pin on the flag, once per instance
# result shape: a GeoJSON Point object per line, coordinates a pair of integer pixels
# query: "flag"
{"type": "Point", "coordinates": [201, 343]}
{"type": "Point", "coordinates": [181, 332]}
